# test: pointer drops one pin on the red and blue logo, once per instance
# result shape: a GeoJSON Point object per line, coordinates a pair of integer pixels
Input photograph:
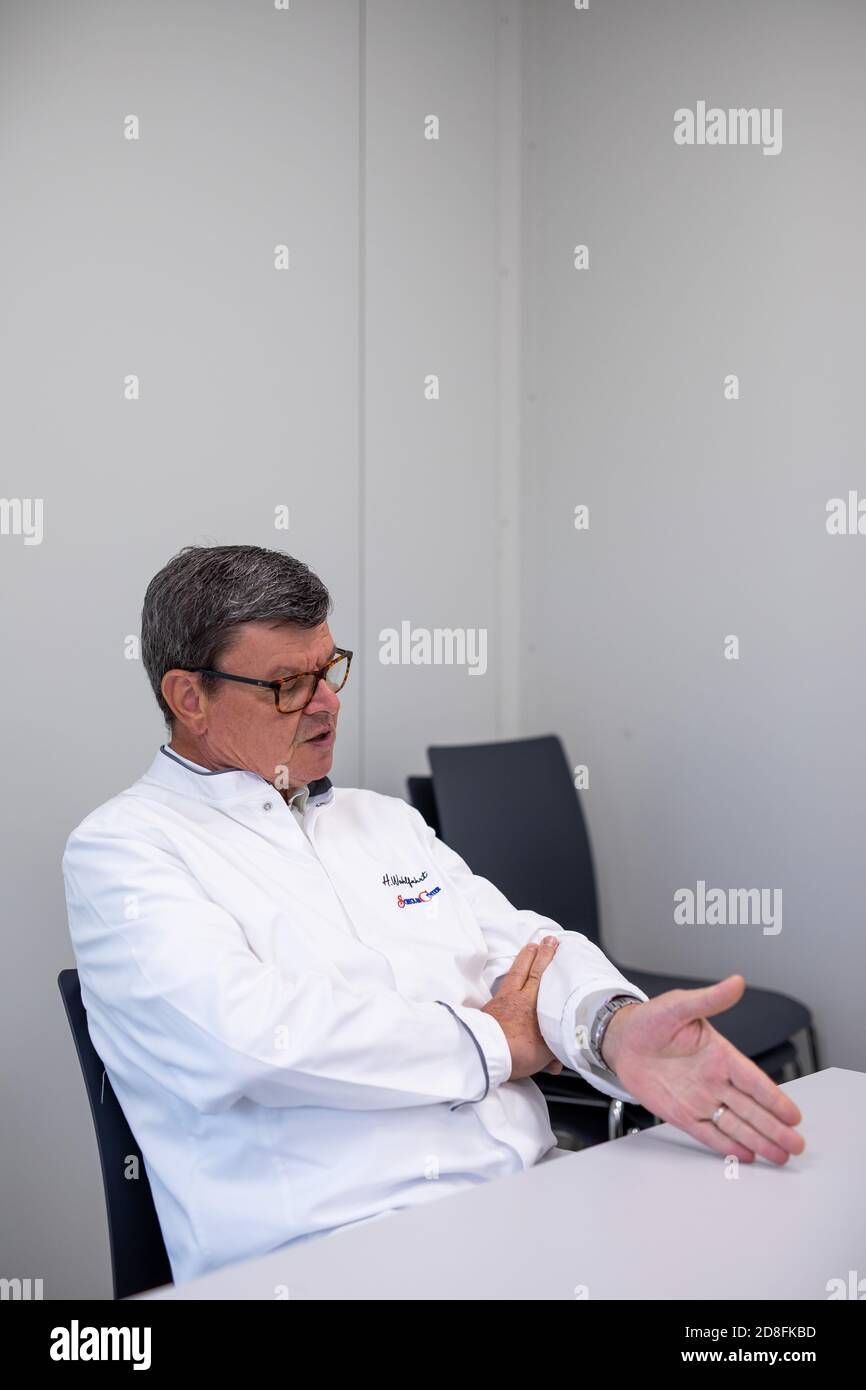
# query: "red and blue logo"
{"type": "Point", "coordinates": [421, 898]}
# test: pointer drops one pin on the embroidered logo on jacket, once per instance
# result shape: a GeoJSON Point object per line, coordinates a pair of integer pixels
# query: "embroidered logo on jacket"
{"type": "Point", "coordinates": [421, 898]}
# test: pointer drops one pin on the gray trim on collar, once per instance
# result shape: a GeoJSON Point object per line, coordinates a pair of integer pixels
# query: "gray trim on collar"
{"type": "Point", "coordinates": [199, 771]}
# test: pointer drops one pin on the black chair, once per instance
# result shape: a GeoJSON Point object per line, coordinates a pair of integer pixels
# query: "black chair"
{"type": "Point", "coordinates": [512, 812]}
{"type": "Point", "coordinates": [138, 1255]}
{"type": "Point", "coordinates": [423, 798]}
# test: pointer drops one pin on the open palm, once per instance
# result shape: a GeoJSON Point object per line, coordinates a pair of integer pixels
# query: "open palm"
{"type": "Point", "coordinates": [671, 1059]}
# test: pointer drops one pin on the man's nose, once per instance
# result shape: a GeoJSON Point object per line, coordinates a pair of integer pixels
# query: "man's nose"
{"type": "Point", "coordinates": [324, 700]}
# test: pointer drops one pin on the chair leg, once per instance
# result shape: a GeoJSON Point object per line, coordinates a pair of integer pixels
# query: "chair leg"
{"type": "Point", "coordinates": [615, 1120]}
{"type": "Point", "coordinates": [806, 1048]}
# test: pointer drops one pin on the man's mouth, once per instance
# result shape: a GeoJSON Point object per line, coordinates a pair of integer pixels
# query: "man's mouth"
{"type": "Point", "coordinates": [321, 739]}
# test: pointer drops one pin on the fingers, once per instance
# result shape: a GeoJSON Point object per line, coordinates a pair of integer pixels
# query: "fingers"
{"type": "Point", "coordinates": [554, 1068]}
{"type": "Point", "coordinates": [708, 1133]}
{"type": "Point", "coordinates": [541, 960]}
{"type": "Point", "coordinates": [529, 965]}
{"type": "Point", "coordinates": [759, 1117]}
{"type": "Point", "coordinates": [711, 999]}
{"type": "Point", "coordinates": [750, 1124]}
{"type": "Point", "coordinates": [749, 1079]}
{"type": "Point", "coordinates": [518, 972]}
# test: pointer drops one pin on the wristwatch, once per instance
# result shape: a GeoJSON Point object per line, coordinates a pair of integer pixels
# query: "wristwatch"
{"type": "Point", "coordinates": [600, 1022]}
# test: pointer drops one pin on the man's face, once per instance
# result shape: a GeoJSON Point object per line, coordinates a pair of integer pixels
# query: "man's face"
{"type": "Point", "coordinates": [243, 727]}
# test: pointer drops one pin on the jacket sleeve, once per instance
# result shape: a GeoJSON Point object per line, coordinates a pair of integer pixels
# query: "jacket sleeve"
{"type": "Point", "coordinates": [177, 992]}
{"type": "Point", "coordinates": [575, 983]}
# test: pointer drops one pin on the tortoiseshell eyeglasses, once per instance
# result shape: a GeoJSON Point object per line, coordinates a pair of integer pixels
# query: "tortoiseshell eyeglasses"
{"type": "Point", "coordinates": [293, 693]}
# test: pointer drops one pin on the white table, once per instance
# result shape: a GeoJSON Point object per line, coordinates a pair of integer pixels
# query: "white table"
{"type": "Point", "coordinates": [651, 1215]}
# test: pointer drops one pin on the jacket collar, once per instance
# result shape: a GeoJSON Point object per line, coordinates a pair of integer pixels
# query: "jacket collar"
{"type": "Point", "coordinates": [178, 774]}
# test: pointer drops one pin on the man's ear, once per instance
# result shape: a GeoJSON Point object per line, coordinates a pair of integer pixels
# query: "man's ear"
{"type": "Point", "coordinates": [184, 696]}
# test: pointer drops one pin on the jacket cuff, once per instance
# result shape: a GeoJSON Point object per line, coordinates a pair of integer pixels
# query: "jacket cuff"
{"type": "Point", "coordinates": [571, 1033]}
{"type": "Point", "coordinates": [487, 1040]}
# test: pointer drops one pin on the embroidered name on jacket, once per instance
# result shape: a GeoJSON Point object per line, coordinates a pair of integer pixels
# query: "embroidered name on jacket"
{"type": "Point", "coordinates": [423, 897]}
{"type": "Point", "coordinates": [394, 880]}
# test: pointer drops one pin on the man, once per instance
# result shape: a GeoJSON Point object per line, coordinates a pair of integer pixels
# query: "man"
{"type": "Point", "coordinates": [311, 1011]}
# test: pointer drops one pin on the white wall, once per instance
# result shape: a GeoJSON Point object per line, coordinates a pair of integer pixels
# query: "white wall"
{"type": "Point", "coordinates": [441, 272]}
{"type": "Point", "coordinates": [707, 516]}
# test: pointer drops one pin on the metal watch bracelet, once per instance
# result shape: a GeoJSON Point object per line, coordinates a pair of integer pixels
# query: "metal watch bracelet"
{"type": "Point", "coordinates": [601, 1021]}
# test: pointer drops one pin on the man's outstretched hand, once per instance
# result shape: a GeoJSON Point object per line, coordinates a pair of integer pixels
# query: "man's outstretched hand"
{"type": "Point", "coordinates": [680, 1068]}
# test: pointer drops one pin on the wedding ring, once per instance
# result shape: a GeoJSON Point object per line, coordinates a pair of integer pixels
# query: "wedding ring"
{"type": "Point", "coordinates": [718, 1113]}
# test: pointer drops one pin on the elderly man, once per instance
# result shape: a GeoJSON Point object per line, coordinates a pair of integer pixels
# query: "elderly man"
{"type": "Point", "coordinates": [311, 1010]}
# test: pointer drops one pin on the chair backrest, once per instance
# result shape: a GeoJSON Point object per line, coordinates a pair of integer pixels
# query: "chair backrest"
{"type": "Point", "coordinates": [512, 812]}
{"type": "Point", "coordinates": [138, 1255]}
{"type": "Point", "coordinates": [423, 798]}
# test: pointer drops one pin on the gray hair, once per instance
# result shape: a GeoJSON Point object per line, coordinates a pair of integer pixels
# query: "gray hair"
{"type": "Point", "coordinates": [193, 605]}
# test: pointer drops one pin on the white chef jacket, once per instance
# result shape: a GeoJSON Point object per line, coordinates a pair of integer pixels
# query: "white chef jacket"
{"type": "Point", "coordinates": [288, 1005]}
